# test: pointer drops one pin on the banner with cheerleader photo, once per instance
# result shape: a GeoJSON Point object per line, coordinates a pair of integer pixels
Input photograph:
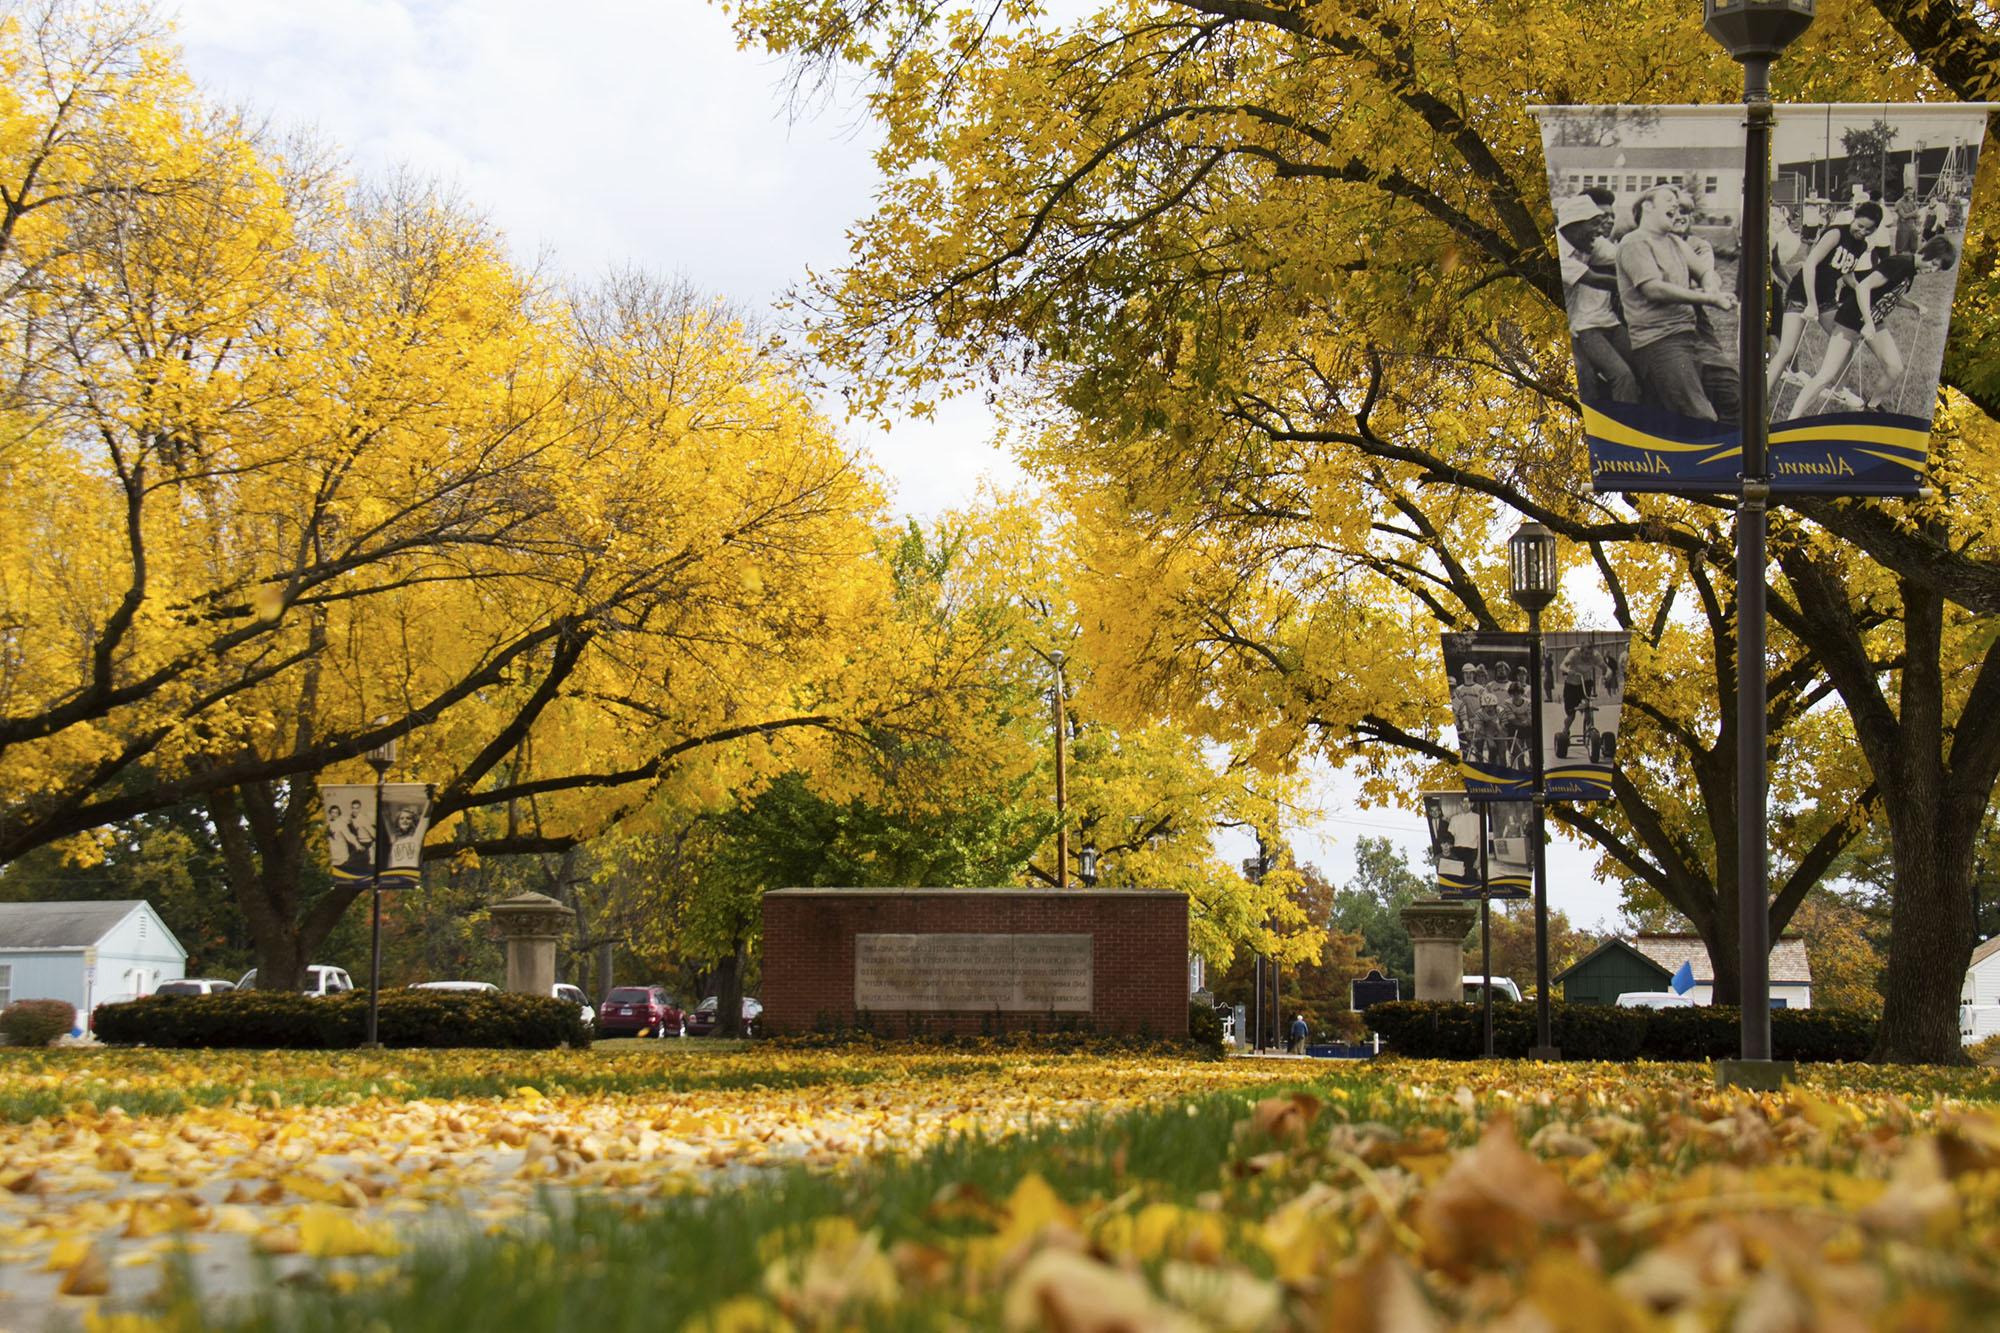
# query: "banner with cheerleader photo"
{"type": "Point", "coordinates": [1868, 214]}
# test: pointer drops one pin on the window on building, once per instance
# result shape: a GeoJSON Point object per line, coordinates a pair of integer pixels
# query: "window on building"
{"type": "Point", "coordinates": [1711, 186]}
{"type": "Point", "coordinates": [6, 984]}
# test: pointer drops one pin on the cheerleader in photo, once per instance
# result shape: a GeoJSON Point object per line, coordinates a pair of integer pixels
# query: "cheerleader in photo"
{"type": "Point", "coordinates": [1814, 290]}
{"type": "Point", "coordinates": [1864, 304]}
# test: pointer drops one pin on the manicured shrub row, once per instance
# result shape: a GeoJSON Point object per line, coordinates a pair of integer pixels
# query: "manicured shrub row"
{"type": "Point", "coordinates": [283, 1020]}
{"type": "Point", "coordinates": [36, 1022]}
{"type": "Point", "coordinates": [1441, 1030]}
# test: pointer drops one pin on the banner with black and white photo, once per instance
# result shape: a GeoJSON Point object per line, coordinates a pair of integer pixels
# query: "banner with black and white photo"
{"type": "Point", "coordinates": [1510, 849]}
{"type": "Point", "coordinates": [1454, 821]}
{"type": "Point", "coordinates": [352, 830]}
{"type": "Point", "coordinates": [1492, 709]}
{"type": "Point", "coordinates": [1583, 691]}
{"type": "Point", "coordinates": [1868, 217]}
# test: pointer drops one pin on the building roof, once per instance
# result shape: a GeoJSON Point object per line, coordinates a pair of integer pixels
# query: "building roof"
{"type": "Point", "coordinates": [1788, 958]}
{"type": "Point", "coordinates": [1604, 948]}
{"type": "Point", "coordinates": [1986, 951]}
{"type": "Point", "coordinates": [66, 925]}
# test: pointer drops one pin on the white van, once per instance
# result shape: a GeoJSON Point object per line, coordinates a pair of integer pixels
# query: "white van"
{"type": "Point", "coordinates": [321, 979]}
{"type": "Point", "coordinates": [1654, 999]}
{"type": "Point", "coordinates": [1503, 988]}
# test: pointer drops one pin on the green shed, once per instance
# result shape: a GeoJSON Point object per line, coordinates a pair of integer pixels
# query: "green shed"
{"type": "Point", "coordinates": [1608, 971]}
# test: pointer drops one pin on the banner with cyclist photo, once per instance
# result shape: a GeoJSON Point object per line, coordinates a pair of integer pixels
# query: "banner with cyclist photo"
{"type": "Point", "coordinates": [1867, 223]}
{"type": "Point", "coordinates": [1454, 822]}
{"type": "Point", "coordinates": [352, 830]}
{"type": "Point", "coordinates": [1510, 850]}
{"type": "Point", "coordinates": [1583, 687]}
{"type": "Point", "coordinates": [1493, 710]}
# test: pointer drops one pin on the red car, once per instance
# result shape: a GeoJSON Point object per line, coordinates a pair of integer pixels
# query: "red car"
{"type": "Point", "coordinates": [701, 1023]}
{"type": "Point", "coordinates": [640, 1011]}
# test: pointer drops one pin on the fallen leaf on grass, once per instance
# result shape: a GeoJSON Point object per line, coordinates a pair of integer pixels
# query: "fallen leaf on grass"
{"type": "Point", "coordinates": [1063, 1291]}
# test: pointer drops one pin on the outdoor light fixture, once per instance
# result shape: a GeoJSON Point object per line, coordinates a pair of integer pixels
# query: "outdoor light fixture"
{"type": "Point", "coordinates": [1531, 567]}
{"type": "Point", "coordinates": [1756, 29]}
{"type": "Point", "coordinates": [1753, 32]}
{"type": "Point", "coordinates": [1086, 865]}
{"type": "Point", "coordinates": [1531, 582]}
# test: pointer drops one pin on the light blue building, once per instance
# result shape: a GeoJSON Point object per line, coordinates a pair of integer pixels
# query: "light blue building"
{"type": "Point", "coordinates": [88, 953]}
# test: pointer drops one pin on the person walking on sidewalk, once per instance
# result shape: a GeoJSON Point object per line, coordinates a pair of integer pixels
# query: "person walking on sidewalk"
{"type": "Point", "coordinates": [1299, 1034]}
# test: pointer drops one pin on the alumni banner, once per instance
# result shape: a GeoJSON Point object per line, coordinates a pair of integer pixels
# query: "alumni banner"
{"type": "Point", "coordinates": [1454, 820]}
{"type": "Point", "coordinates": [1493, 710]}
{"type": "Point", "coordinates": [352, 830]}
{"type": "Point", "coordinates": [1583, 693]}
{"type": "Point", "coordinates": [1868, 214]}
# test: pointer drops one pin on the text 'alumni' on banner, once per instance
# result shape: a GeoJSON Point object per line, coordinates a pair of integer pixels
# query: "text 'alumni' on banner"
{"type": "Point", "coordinates": [1868, 214]}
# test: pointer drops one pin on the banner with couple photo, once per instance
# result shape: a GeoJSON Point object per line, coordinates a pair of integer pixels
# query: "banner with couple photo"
{"type": "Point", "coordinates": [1582, 678]}
{"type": "Point", "coordinates": [1454, 825]}
{"type": "Point", "coordinates": [352, 831]}
{"type": "Point", "coordinates": [1867, 223]}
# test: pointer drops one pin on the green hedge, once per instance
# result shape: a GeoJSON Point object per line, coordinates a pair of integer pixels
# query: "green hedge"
{"type": "Point", "coordinates": [1445, 1030]}
{"type": "Point", "coordinates": [286, 1020]}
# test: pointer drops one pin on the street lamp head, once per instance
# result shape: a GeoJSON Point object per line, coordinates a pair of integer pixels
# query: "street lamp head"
{"type": "Point", "coordinates": [383, 755]}
{"type": "Point", "coordinates": [1756, 29]}
{"type": "Point", "coordinates": [1086, 865]}
{"type": "Point", "coordinates": [1531, 566]}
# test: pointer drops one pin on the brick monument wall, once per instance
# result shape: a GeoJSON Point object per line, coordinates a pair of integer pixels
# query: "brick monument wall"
{"type": "Point", "coordinates": [1138, 955]}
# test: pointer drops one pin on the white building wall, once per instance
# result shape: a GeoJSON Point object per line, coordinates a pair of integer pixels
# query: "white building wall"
{"type": "Point", "coordinates": [45, 976]}
{"type": "Point", "coordinates": [1796, 995]}
{"type": "Point", "coordinates": [1982, 981]}
{"type": "Point", "coordinates": [135, 956]}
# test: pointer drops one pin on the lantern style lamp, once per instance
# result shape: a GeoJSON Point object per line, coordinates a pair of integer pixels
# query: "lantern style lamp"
{"type": "Point", "coordinates": [1756, 29]}
{"type": "Point", "coordinates": [1531, 569]}
{"type": "Point", "coordinates": [1086, 865]}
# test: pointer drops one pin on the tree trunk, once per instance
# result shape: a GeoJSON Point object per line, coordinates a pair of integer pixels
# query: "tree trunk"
{"type": "Point", "coordinates": [729, 993]}
{"type": "Point", "coordinates": [264, 838]}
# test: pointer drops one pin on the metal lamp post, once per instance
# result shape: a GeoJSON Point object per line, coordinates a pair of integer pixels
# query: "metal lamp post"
{"type": "Point", "coordinates": [1062, 781]}
{"type": "Point", "coordinates": [1485, 935]}
{"type": "Point", "coordinates": [1086, 865]}
{"type": "Point", "coordinates": [379, 758]}
{"type": "Point", "coordinates": [1754, 32]}
{"type": "Point", "coordinates": [1254, 868]}
{"type": "Point", "coordinates": [1531, 582]}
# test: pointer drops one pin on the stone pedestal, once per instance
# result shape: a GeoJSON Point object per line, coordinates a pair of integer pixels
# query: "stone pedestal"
{"type": "Point", "coordinates": [1437, 929]}
{"type": "Point", "coordinates": [530, 924]}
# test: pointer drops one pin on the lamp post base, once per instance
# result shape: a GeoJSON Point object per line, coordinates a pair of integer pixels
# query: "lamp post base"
{"type": "Point", "coordinates": [1756, 1075]}
{"type": "Point", "coordinates": [1545, 1053]}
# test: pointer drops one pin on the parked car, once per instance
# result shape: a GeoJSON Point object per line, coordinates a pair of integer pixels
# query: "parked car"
{"type": "Point", "coordinates": [321, 979]}
{"type": "Point", "coordinates": [1654, 999]}
{"type": "Point", "coordinates": [701, 1023]}
{"type": "Point", "coordinates": [640, 1011]}
{"type": "Point", "coordinates": [1503, 988]}
{"type": "Point", "coordinates": [463, 987]}
{"type": "Point", "coordinates": [562, 990]}
{"type": "Point", "coordinates": [194, 986]}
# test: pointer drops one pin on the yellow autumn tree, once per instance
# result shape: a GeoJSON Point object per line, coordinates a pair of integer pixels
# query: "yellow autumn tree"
{"type": "Point", "coordinates": [1276, 285]}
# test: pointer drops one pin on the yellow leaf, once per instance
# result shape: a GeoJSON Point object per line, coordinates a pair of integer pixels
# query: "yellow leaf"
{"type": "Point", "coordinates": [332, 1233]}
{"type": "Point", "coordinates": [89, 1276]}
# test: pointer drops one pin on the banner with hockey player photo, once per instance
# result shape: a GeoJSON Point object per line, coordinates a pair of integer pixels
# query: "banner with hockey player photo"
{"type": "Point", "coordinates": [1867, 223]}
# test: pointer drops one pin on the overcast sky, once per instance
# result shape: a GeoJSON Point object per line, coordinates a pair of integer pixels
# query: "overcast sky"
{"type": "Point", "coordinates": [604, 133]}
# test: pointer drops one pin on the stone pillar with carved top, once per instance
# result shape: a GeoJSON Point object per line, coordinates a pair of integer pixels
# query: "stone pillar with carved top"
{"type": "Point", "coordinates": [1437, 929]}
{"type": "Point", "coordinates": [530, 924]}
